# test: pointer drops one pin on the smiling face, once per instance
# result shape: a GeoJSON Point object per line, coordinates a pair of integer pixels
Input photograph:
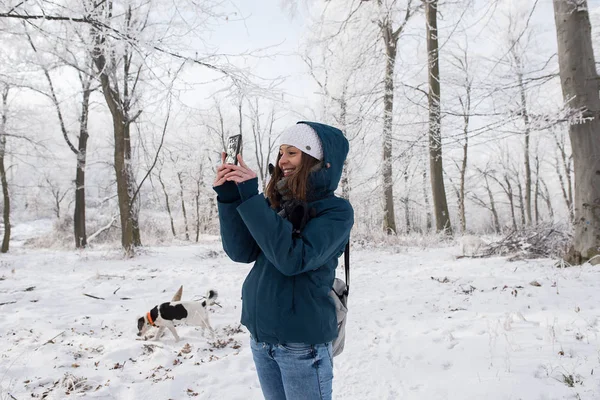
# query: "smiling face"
{"type": "Point", "coordinates": [290, 159]}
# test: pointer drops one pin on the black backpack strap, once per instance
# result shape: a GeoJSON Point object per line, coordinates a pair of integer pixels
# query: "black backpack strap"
{"type": "Point", "coordinates": [347, 266]}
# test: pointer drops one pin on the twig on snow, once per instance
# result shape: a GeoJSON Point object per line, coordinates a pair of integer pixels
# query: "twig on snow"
{"type": "Point", "coordinates": [93, 297]}
{"type": "Point", "coordinates": [52, 340]}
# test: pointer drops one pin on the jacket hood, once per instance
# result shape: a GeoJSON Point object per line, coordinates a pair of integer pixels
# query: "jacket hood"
{"type": "Point", "coordinates": [335, 150]}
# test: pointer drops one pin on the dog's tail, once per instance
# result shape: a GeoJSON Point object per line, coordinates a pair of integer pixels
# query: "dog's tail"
{"type": "Point", "coordinates": [211, 297]}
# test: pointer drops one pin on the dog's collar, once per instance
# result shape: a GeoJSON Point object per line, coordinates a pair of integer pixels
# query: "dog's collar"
{"type": "Point", "coordinates": [149, 317]}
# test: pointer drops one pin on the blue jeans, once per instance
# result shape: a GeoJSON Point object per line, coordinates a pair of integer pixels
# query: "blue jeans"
{"type": "Point", "coordinates": [294, 371]}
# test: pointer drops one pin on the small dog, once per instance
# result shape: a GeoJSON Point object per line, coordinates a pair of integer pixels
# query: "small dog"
{"type": "Point", "coordinates": [188, 312]}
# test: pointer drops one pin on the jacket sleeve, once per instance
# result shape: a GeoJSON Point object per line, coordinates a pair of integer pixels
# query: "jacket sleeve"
{"type": "Point", "coordinates": [321, 239]}
{"type": "Point", "coordinates": [237, 241]}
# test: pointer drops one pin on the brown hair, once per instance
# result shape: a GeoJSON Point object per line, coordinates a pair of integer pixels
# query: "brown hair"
{"type": "Point", "coordinates": [297, 184]}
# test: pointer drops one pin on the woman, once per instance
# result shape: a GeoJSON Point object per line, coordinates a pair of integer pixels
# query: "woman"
{"type": "Point", "coordinates": [285, 297]}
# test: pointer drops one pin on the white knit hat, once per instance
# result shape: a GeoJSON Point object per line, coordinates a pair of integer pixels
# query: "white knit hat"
{"type": "Point", "coordinates": [304, 138]}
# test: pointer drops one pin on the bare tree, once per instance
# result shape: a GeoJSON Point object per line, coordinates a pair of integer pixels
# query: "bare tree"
{"type": "Point", "coordinates": [545, 194]}
{"type": "Point", "coordinates": [119, 95]}
{"type": "Point", "coordinates": [580, 86]}
{"type": "Point", "coordinates": [440, 204]}
{"type": "Point", "coordinates": [462, 64]}
{"type": "Point", "coordinates": [181, 195]}
{"type": "Point", "coordinates": [167, 201]}
{"type": "Point", "coordinates": [491, 203]}
{"type": "Point", "coordinates": [3, 180]}
{"type": "Point", "coordinates": [199, 180]}
{"type": "Point", "coordinates": [339, 73]}
{"type": "Point", "coordinates": [58, 194]}
{"type": "Point", "coordinates": [264, 139]}
{"type": "Point", "coordinates": [390, 35]}
{"type": "Point", "coordinates": [537, 188]}
{"type": "Point", "coordinates": [524, 112]}
{"type": "Point", "coordinates": [85, 78]}
{"type": "Point", "coordinates": [564, 176]}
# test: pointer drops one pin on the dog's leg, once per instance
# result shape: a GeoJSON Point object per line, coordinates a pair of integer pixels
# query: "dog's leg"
{"type": "Point", "coordinates": [204, 323]}
{"type": "Point", "coordinates": [171, 327]}
{"type": "Point", "coordinates": [207, 325]}
{"type": "Point", "coordinates": [159, 332]}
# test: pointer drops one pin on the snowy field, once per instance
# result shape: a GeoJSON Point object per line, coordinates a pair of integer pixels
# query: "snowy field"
{"type": "Point", "coordinates": [422, 325]}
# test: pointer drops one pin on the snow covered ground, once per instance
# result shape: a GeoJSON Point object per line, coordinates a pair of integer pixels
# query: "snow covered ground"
{"type": "Point", "coordinates": [422, 325]}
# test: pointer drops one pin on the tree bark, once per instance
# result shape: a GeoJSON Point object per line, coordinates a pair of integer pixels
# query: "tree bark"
{"type": "Point", "coordinates": [493, 210]}
{"type": "Point", "coordinates": [566, 184]}
{"type": "Point", "coordinates": [536, 191]}
{"type": "Point", "coordinates": [5, 193]}
{"type": "Point", "coordinates": [197, 204]}
{"type": "Point", "coordinates": [545, 194]}
{"type": "Point", "coordinates": [511, 201]}
{"type": "Point", "coordinates": [185, 219]}
{"type": "Point", "coordinates": [406, 201]}
{"type": "Point", "coordinates": [463, 166]}
{"type": "Point", "coordinates": [391, 42]}
{"type": "Point", "coordinates": [526, 121]}
{"type": "Point", "coordinates": [580, 85]}
{"type": "Point", "coordinates": [521, 199]}
{"type": "Point", "coordinates": [345, 181]}
{"type": "Point", "coordinates": [440, 204]}
{"type": "Point", "coordinates": [428, 216]}
{"type": "Point", "coordinates": [168, 204]}
{"type": "Point", "coordinates": [79, 226]}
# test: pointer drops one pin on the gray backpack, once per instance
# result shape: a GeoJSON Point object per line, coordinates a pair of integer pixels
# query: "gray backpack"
{"type": "Point", "coordinates": [339, 293]}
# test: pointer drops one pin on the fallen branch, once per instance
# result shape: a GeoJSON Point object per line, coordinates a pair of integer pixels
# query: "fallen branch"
{"type": "Point", "coordinates": [93, 297]}
{"type": "Point", "coordinates": [104, 228]}
{"type": "Point", "coordinates": [52, 340]}
{"type": "Point", "coordinates": [8, 302]}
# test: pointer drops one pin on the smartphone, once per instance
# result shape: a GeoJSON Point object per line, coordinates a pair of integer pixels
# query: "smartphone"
{"type": "Point", "coordinates": [234, 147]}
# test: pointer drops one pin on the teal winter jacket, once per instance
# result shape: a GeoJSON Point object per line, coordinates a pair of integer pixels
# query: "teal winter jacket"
{"type": "Point", "coordinates": [285, 297]}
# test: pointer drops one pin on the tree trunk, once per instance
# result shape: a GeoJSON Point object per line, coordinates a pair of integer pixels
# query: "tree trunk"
{"type": "Point", "coordinates": [124, 193]}
{"type": "Point", "coordinates": [546, 196]}
{"type": "Point", "coordinates": [525, 115]}
{"type": "Point", "coordinates": [511, 201]}
{"type": "Point", "coordinates": [463, 171]}
{"type": "Point", "coordinates": [391, 42]}
{"type": "Point", "coordinates": [493, 210]}
{"type": "Point", "coordinates": [185, 219]}
{"type": "Point", "coordinates": [521, 200]}
{"type": "Point", "coordinates": [345, 181]}
{"type": "Point", "coordinates": [536, 191]}
{"type": "Point", "coordinates": [440, 204]}
{"type": "Point", "coordinates": [566, 187]}
{"type": "Point", "coordinates": [523, 111]}
{"type": "Point", "coordinates": [5, 194]}
{"type": "Point", "coordinates": [406, 202]}
{"type": "Point", "coordinates": [197, 204]}
{"type": "Point", "coordinates": [79, 214]}
{"type": "Point", "coordinates": [168, 204]}
{"type": "Point", "coordinates": [580, 85]}
{"type": "Point", "coordinates": [428, 216]}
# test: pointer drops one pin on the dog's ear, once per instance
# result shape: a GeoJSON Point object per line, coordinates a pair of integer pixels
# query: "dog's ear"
{"type": "Point", "coordinates": [141, 323]}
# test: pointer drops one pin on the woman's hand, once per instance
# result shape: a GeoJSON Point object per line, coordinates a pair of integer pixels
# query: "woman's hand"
{"type": "Point", "coordinates": [239, 173]}
{"type": "Point", "coordinates": [222, 170]}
